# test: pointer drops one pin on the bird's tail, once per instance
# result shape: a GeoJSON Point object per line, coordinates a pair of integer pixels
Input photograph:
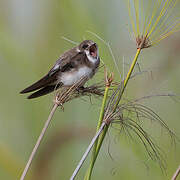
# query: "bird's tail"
{"type": "Point", "coordinates": [44, 91]}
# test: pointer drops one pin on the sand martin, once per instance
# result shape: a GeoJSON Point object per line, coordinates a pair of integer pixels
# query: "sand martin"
{"type": "Point", "coordinates": [79, 62]}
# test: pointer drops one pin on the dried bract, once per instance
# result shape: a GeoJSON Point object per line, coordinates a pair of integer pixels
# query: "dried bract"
{"type": "Point", "coordinates": [76, 91]}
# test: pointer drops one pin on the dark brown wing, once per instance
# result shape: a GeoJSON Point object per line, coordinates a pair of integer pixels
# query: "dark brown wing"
{"type": "Point", "coordinates": [64, 63]}
{"type": "Point", "coordinates": [46, 80]}
{"type": "Point", "coordinates": [44, 91]}
{"type": "Point", "coordinates": [66, 60]}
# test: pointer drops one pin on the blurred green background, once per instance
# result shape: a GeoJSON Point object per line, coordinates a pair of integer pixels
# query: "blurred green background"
{"type": "Point", "coordinates": [30, 42]}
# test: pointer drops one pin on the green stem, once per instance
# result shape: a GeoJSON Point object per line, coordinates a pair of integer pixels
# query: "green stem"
{"type": "Point", "coordinates": [101, 138]}
{"type": "Point", "coordinates": [128, 77]}
{"type": "Point", "coordinates": [98, 144]}
{"type": "Point", "coordinates": [102, 108]}
{"type": "Point", "coordinates": [94, 154]}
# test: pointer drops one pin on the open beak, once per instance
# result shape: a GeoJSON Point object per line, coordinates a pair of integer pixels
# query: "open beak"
{"type": "Point", "coordinates": [93, 50]}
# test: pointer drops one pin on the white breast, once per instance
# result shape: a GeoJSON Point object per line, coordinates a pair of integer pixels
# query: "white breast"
{"type": "Point", "coordinates": [69, 78]}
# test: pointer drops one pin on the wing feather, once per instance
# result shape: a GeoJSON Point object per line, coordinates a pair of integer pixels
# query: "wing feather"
{"type": "Point", "coordinates": [46, 80]}
{"type": "Point", "coordinates": [64, 63]}
{"type": "Point", "coordinates": [44, 91]}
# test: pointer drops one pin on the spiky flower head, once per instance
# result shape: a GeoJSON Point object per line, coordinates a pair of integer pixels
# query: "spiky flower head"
{"type": "Point", "coordinates": [153, 20]}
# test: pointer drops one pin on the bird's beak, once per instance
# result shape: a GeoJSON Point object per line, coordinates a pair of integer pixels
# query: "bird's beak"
{"type": "Point", "coordinates": [93, 50]}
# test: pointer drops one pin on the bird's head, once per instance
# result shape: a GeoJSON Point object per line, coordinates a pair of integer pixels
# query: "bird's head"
{"type": "Point", "coordinates": [90, 48]}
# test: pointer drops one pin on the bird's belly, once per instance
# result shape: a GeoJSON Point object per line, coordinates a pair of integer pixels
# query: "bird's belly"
{"type": "Point", "coordinates": [69, 78]}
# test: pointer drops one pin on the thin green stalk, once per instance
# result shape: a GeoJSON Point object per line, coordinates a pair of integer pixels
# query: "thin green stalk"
{"type": "Point", "coordinates": [128, 77]}
{"type": "Point", "coordinates": [89, 172]}
{"type": "Point", "coordinates": [100, 118]}
{"type": "Point", "coordinates": [101, 138]}
{"type": "Point", "coordinates": [102, 108]}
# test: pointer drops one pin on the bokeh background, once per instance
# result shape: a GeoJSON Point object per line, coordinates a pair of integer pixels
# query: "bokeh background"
{"type": "Point", "coordinates": [30, 42]}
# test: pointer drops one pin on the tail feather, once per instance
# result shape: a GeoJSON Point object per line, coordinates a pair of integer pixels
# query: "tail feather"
{"type": "Point", "coordinates": [43, 82]}
{"type": "Point", "coordinates": [44, 91]}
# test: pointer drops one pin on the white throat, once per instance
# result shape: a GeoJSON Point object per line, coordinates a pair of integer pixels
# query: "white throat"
{"type": "Point", "coordinates": [91, 58]}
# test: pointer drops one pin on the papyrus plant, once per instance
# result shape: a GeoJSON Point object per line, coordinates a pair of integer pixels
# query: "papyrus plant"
{"type": "Point", "coordinates": [151, 21]}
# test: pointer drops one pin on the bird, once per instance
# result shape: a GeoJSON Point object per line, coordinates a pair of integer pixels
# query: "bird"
{"type": "Point", "coordinates": [79, 62]}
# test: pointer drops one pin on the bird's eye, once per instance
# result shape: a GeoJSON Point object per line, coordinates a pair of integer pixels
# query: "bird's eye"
{"type": "Point", "coordinates": [84, 46]}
